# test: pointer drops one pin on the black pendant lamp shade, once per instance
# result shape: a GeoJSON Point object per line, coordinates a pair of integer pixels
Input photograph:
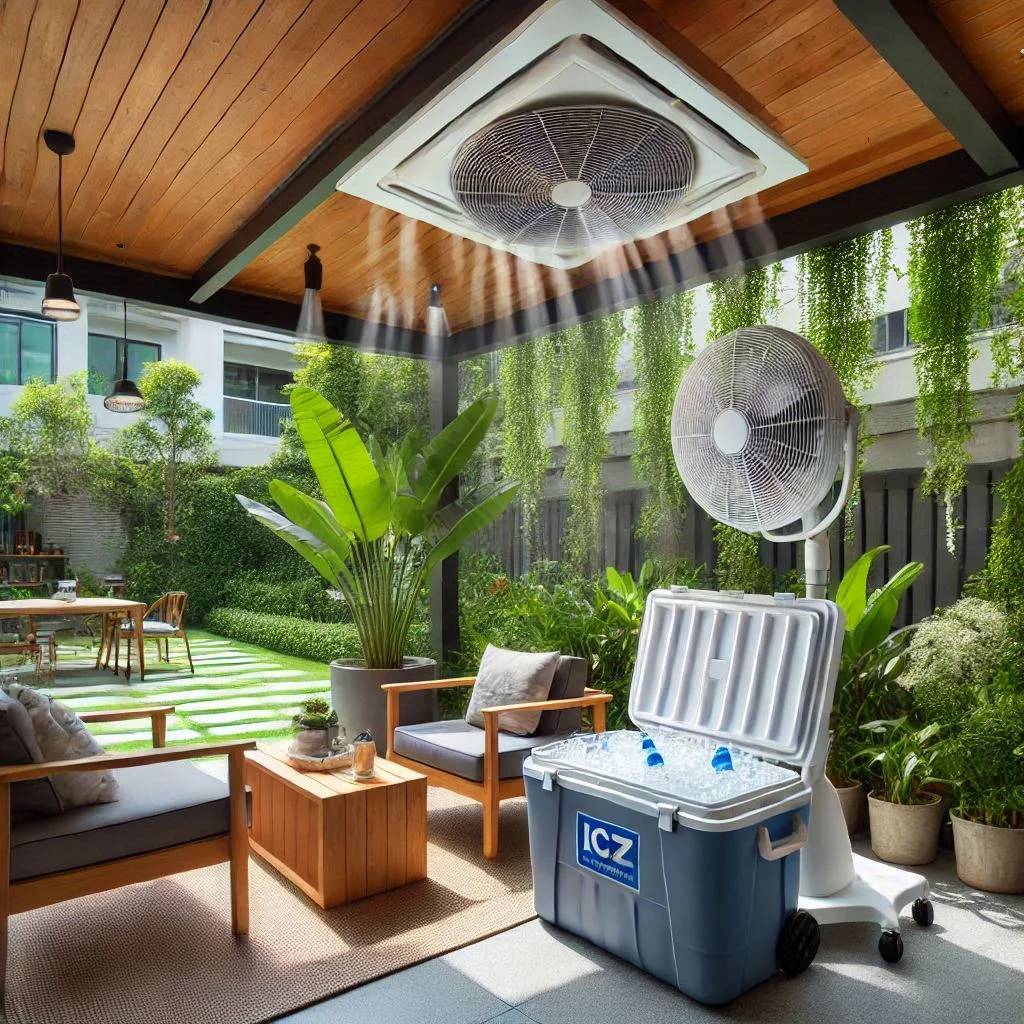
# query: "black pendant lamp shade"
{"type": "Point", "coordinates": [311, 316]}
{"type": "Point", "coordinates": [59, 301]}
{"type": "Point", "coordinates": [437, 318]}
{"type": "Point", "coordinates": [126, 396]}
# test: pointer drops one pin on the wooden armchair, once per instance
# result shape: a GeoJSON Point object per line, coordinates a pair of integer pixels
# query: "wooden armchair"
{"type": "Point", "coordinates": [486, 764]}
{"type": "Point", "coordinates": [171, 816]}
{"type": "Point", "coordinates": [163, 620]}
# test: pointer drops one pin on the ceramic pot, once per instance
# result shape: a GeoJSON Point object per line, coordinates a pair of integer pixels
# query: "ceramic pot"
{"type": "Point", "coordinates": [313, 742]}
{"type": "Point", "coordinates": [357, 696]}
{"type": "Point", "coordinates": [989, 858]}
{"type": "Point", "coordinates": [850, 798]}
{"type": "Point", "coordinates": [905, 833]}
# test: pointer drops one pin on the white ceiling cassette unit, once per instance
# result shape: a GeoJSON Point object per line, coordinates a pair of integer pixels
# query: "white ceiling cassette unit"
{"type": "Point", "coordinates": [576, 133]}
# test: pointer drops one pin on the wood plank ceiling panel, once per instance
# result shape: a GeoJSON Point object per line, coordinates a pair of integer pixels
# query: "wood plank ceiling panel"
{"type": "Point", "coordinates": [991, 35]}
{"type": "Point", "coordinates": [187, 115]}
{"type": "Point", "coordinates": [798, 65]}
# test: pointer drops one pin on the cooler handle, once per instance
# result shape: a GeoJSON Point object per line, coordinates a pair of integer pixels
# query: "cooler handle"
{"type": "Point", "coordinates": [796, 840]}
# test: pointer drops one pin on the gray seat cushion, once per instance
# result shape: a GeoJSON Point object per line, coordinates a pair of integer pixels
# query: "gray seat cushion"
{"type": "Point", "coordinates": [570, 680]}
{"type": "Point", "coordinates": [151, 627]}
{"type": "Point", "coordinates": [160, 805]}
{"type": "Point", "coordinates": [458, 748]}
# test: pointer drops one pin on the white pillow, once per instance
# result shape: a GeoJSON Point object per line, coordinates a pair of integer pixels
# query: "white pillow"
{"type": "Point", "coordinates": [62, 736]}
{"type": "Point", "coordinates": [511, 677]}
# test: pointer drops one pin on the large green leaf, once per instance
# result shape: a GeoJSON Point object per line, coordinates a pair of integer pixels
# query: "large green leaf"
{"type": "Point", "coordinates": [852, 595]}
{"type": "Point", "coordinates": [463, 522]}
{"type": "Point", "coordinates": [312, 548]}
{"type": "Point", "coordinates": [312, 515]}
{"type": "Point", "coordinates": [876, 623]}
{"type": "Point", "coordinates": [348, 478]}
{"type": "Point", "coordinates": [447, 453]}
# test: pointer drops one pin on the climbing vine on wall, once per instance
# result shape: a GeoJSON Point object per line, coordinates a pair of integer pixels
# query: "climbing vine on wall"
{"type": "Point", "coordinates": [955, 259]}
{"type": "Point", "coordinates": [744, 301]}
{"type": "Point", "coordinates": [662, 336]}
{"type": "Point", "coordinates": [527, 377]}
{"type": "Point", "coordinates": [588, 379]}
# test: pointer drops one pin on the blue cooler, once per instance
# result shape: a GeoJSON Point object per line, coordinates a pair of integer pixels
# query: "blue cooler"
{"type": "Point", "coordinates": [701, 893]}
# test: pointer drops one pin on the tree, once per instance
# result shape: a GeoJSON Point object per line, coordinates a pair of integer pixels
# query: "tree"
{"type": "Point", "coordinates": [173, 434]}
{"type": "Point", "coordinates": [47, 439]}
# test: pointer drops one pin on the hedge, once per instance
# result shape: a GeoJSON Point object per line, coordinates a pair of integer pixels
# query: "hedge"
{"type": "Point", "coordinates": [317, 641]}
{"type": "Point", "coordinates": [305, 598]}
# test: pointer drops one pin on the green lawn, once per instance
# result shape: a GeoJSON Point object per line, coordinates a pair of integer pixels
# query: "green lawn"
{"type": "Point", "coordinates": [238, 691]}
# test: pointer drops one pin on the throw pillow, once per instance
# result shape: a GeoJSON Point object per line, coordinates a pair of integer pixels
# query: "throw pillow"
{"type": "Point", "coordinates": [511, 677]}
{"type": "Point", "coordinates": [18, 746]}
{"type": "Point", "coordinates": [62, 736]}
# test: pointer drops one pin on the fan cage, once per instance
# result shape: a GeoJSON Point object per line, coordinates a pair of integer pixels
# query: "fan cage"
{"type": "Point", "coordinates": [639, 168]}
{"type": "Point", "coordinates": [795, 412]}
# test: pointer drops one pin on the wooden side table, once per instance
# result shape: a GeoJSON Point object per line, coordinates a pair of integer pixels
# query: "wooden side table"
{"type": "Point", "coordinates": [336, 839]}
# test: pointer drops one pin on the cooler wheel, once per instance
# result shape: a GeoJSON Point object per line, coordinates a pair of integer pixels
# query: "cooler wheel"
{"type": "Point", "coordinates": [798, 942]}
{"type": "Point", "coordinates": [890, 945]}
{"type": "Point", "coordinates": [924, 912]}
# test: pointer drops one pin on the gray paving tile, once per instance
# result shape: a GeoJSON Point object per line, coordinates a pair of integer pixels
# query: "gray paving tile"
{"type": "Point", "coordinates": [432, 993]}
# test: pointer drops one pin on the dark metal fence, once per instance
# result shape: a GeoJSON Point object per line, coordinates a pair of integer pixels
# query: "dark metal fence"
{"type": "Point", "coordinates": [892, 511]}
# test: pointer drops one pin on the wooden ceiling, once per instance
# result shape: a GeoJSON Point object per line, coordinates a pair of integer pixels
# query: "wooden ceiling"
{"type": "Point", "coordinates": [193, 117]}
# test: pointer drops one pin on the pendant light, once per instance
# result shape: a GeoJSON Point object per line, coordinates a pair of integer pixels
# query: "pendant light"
{"type": "Point", "coordinates": [125, 397]}
{"type": "Point", "coordinates": [437, 318]}
{"type": "Point", "coordinates": [59, 301]}
{"type": "Point", "coordinates": [311, 316]}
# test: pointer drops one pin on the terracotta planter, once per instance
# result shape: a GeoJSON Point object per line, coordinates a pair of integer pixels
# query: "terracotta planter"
{"type": "Point", "coordinates": [850, 798]}
{"type": "Point", "coordinates": [357, 696]}
{"type": "Point", "coordinates": [905, 833]}
{"type": "Point", "coordinates": [989, 858]}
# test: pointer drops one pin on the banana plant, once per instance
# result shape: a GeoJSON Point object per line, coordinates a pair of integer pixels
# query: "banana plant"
{"type": "Point", "coordinates": [384, 521]}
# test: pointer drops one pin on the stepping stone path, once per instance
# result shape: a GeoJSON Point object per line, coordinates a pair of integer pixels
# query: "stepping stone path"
{"type": "Point", "coordinates": [238, 691]}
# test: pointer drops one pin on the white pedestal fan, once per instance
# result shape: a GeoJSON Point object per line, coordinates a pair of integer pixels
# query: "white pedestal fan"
{"type": "Point", "coordinates": [760, 428]}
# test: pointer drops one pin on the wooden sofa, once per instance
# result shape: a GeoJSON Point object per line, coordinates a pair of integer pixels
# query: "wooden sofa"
{"type": "Point", "coordinates": [191, 820]}
{"type": "Point", "coordinates": [485, 764]}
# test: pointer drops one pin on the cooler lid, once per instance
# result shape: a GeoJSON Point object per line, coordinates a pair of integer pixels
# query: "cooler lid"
{"type": "Point", "coordinates": [755, 671]}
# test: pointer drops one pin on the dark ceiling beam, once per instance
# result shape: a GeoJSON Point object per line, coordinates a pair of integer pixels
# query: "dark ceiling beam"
{"type": "Point", "coordinates": [235, 309]}
{"type": "Point", "coordinates": [909, 37]}
{"type": "Point", "coordinates": [467, 39]}
{"type": "Point", "coordinates": [879, 204]}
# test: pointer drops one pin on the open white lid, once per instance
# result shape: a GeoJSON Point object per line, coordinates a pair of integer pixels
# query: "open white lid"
{"type": "Point", "coordinates": [752, 671]}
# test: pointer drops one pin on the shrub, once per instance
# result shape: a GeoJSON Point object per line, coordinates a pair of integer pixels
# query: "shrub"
{"type": "Point", "coordinates": [316, 641]}
{"type": "Point", "coordinates": [307, 598]}
{"type": "Point", "coordinates": [952, 654]}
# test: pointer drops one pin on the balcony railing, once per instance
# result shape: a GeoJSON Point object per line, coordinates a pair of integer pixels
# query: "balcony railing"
{"type": "Point", "coordinates": [247, 416]}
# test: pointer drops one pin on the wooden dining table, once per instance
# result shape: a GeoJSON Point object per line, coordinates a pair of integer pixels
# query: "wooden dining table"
{"type": "Point", "coordinates": [106, 607]}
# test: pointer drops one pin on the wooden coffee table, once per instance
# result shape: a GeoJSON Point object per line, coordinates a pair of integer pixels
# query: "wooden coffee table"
{"type": "Point", "coordinates": [336, 839]}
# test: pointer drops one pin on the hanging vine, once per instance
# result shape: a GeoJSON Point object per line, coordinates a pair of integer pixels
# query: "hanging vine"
{"type": "Point", "coordinates": [527, 376]}
{"type": "Point", "coordinates": [956, 256]}
{"type": "Point", "coordinates": [744, 301]}
{"type": "Point", "coordinates": [842, 288]}
{"type": "Point", "coordinates": [662, 336]}
{"type": "Point", "coordinates": [589, 377]}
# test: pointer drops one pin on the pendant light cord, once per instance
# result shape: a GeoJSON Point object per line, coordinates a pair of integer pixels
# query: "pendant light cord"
{"type": "Point", "coordinates": [60, 214]}
{"type": "Point", "coordinates": [124, 365]}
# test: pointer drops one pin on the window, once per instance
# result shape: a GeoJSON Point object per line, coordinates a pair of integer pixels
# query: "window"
{"type": "Point", "coordinates": [106, 359]}
{"type": "Point", "coordinates": [256, 383]}
{"type": "Point", "coordinates": [27, 349]}
{"type": "Point", "coordinates": [891, 332]}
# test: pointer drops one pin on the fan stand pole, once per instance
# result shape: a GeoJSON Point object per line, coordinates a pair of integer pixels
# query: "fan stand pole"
{"type": "Point", "coordinates": [838, 886]}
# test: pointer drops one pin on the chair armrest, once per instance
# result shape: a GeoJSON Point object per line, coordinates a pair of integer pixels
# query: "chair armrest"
{"type": "Point", "coordinates": [427, 684]}
{"type": "Point", "coordinates": [157, 717]}
{"type": "Point", "coordinates": [595, 699]}
{"type": "Point", "coordinates": [131, 759]}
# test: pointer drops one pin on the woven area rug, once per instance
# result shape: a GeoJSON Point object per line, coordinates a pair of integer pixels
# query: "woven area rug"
{"type": "Point", "coordinates": [162, 952]}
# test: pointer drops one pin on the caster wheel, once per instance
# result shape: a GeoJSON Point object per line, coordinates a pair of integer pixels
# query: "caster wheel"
{"type": "Point", "coordinates": [798, 942]}
{"type": "Point", "coordinates": [924, 912]}
{"type": "Point", "coordinates": [890, 945]}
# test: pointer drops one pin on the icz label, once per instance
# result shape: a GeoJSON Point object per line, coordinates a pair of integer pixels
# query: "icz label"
{"type": "Point", "coordinates": [608, 850]}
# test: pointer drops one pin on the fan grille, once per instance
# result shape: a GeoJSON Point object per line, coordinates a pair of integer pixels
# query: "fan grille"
{"type": "Point", "coordinates": [777, 459]}
{"type": "Point", "coordinates": [635, 168]}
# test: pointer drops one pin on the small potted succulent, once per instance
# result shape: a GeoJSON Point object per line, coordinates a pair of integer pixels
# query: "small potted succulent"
{"type": "Point", "coordinates": [904, 817]}
{"type": "Point", "coordinates": [316, 726]}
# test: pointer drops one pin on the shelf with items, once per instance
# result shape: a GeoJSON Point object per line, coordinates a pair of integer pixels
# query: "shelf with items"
{"type": "Point", "coordinates": [32, 570]}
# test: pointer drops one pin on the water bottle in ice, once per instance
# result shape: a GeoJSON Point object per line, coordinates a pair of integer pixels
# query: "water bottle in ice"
{"type": "Point", "coordinates": [721, 760]}
{"type": "Point", "coordinates": [650, 752]}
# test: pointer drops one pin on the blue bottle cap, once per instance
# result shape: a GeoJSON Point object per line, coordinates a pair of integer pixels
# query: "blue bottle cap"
{"type": "Point", "coordinates": [647, 743]}
{"type": "Point", "coordinates": [721, 760]}
{"type": "Point", "coordinates": [654, 759]}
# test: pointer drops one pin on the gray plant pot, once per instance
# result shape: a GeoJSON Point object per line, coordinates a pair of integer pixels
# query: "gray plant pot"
{"type": "Point", "coordinates": [357, 696]}
{"type": "Point", "coordinates": [989, 858]}
{"type": "Point", "coordinates": [905, 833]}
